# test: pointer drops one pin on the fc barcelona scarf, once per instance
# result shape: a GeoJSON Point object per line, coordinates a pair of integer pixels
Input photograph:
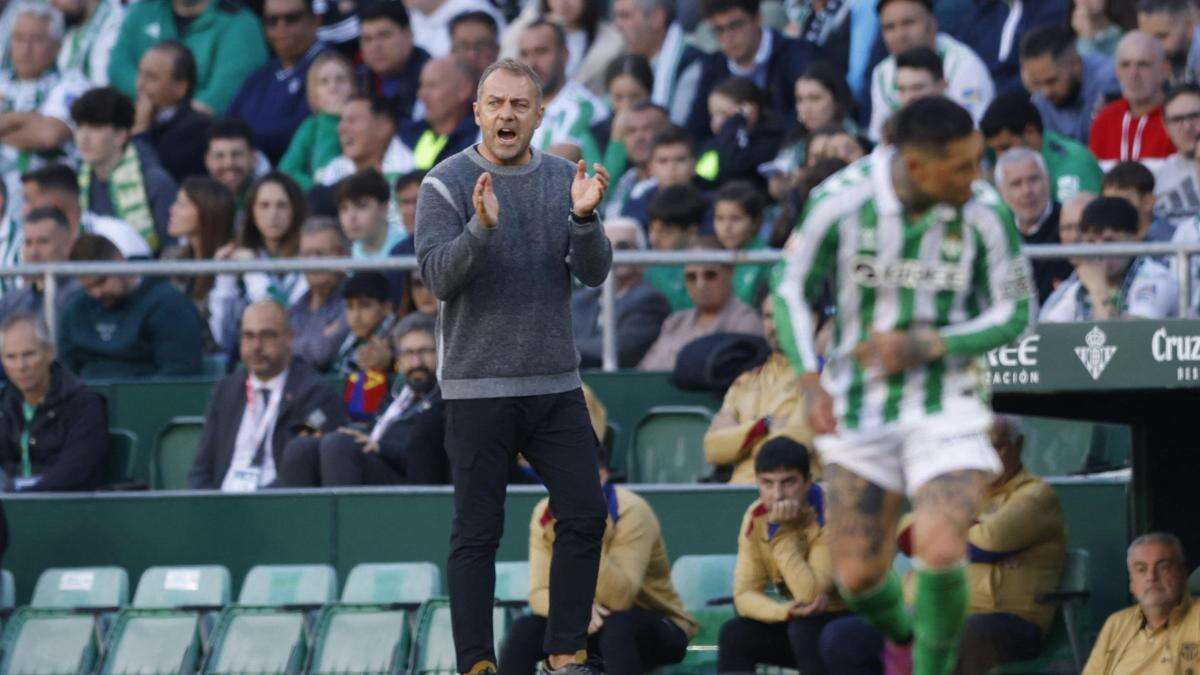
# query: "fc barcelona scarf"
{"type": "Point", "coordinates": [364, 395]}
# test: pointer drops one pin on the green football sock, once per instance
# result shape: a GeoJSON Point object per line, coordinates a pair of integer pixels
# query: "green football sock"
{"type": "Point", "coordinates": [940, 613]}
{"type": "Point", "coordinates": [883, 607]}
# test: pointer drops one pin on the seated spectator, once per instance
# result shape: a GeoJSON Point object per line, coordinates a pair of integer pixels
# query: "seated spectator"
{"type": "Point", "coordinates": [1112, 288]}
{"type": "Point", "coordinates": [164, 117]}
{"type": "Point", "coordinates": [1100, 25]}
{"type": "Point", "coordinates": [449, 124]}
{"type": "Point", "coordinates": [748, 49]}
{"type": "Point", "coordinates": [1016, 551]}
{"type": "Point", "coordinates": [365, 358]}
{"type": "Point", "coordinates": [119, 178]}
{"type": "Point", "coordinates": [404, 446]}
{"type": "Point", "coordinates": [1013, 121]}
{"type": "Point", "coordinates": [1173, 24]}
{"type": "Point", "coordinates": [1133, 182]}
{"type": "Point", "coordinates": [318, 318]}
{"type": "Point", "coordinates": [905, 24]}
{"type": "Point", "coordinates": [1068, 87]}
{"type": "Point", "coordinates": [316, 143]}
{"type": "Point", "coordinates": [570, 109]}
{"type": "Point", "coordinates": [272, 230]}
{"type": "Point", "coordinates": [230, 157]}
{"type": "Point", "coordinates": [432, 20]}
{"type": "Point", "coordinates": [254, 412]}
{"type": "Point", "coordinates": [639, 308]}
{"type": "Point", "coordinates": [92, 28]}
{"type": "Point", "coordinates": [391, 64]}
{"type": "Point", "coordinates": [362, 201]}
{"type": "Point", "coordinates": [919, 75]}
{"type": "Point", "coordinates": [1131, 128]}
{"type": "Point", "coordinates": [1070, 215]}
{"type": "Point", "coordinates": [1176, 187]}
{"type": "Point", "coordinates": [746, 134]}
{"type": "Point", "coordinates": [650, 30]}
{"type": "Point", "coordinates": [994, 31]}
{"type": "Point", "coordinates": [1144, 636]}
{"type": "Point", "coordinates": [34, 97]}
{"type": "Point", "coordinates": [780, 544]}
{"type": "Point", "coordinates": [53, 429]}
{"type": "Point", "coordinates": [226, 39]}
{"type": "Point", "coordinates": [592, 42]}
{"type": "Point", "coordinates": [475, 40]}
{"type": "Point", "coordinates": [1024, 185]}
{"type": "Point", "coordinates": [628, 81]}
{"type": "Point", "coordinates": [634, 131]}
{"type": "Point", "coordinates": [761, 405]}
{"type": "Point", "coordinates": [273, 98]}
{"type": "Point", "coordinates": [638, 621]}
{"type": "Point", "coordinates": [46, 237]}
{"type": "Point", "coordinates": [367, 133]}
{"type": "Point", "coordinates": [822, 100]}
{"type": "Point", "coordinates": [716, 310]}
{"type": "Point", "coordinates": [57, 185]}
{"type": "Point", "coordinates": [672, 163]}
{"type": "Point", "coordinates": [202, 219]}
{"type": "Point", "coordinates": [127, 326]}
{"type": "Point", "coordinates": [737, 218]}
{"type": "Point", "coordinates": [675, 216]}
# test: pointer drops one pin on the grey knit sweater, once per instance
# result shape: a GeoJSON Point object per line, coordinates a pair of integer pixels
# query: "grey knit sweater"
{"type": "Point", "coordinates": [504, 316]}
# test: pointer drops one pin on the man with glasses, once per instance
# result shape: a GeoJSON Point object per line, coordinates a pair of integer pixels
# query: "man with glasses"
{"type": "Point", "coordinates": [273, 100]}
{"type": "Point", "coordinates": [715, 310]}
{"type": "Point", "coordinates": [405, 445]}
{"type": "Point", "coordinates": [1176, 186]}
{"type": "Point", "coordinates": [256, 410]}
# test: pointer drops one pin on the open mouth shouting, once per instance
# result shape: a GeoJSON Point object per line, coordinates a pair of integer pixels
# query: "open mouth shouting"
{"type": "Point", "coordinates": [506, 135]}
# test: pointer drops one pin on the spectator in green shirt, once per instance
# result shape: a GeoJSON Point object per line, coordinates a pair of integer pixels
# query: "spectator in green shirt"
{"type": "Point", "coordinates": [1012, 120]}
{"type": "Point", "coordinates": [225, 37]}
{"type": "Point", "coordinates": [737, 219]}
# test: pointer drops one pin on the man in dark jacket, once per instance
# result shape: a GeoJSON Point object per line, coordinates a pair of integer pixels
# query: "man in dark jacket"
{"type": "Point", "coordinates": [406, 444]}
{"type": "Point", "coordinates": [164, 116]}
{"type": "Point", "coordinates": [255, 411]}
{"type": "Point", "coordinates": [640, 309]}
{"type": "Point", "coordinates": [53, 429]}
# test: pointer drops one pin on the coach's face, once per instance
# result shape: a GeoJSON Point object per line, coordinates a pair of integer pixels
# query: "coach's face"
{"type": "Point", "coordinates": [946, 176]}
{"type": "Point", "coordinates": [508, 111]}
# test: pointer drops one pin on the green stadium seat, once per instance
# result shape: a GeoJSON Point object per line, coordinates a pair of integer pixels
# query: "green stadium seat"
{"type": "Point", "coordinates": [668, 445]}
{"type": "Point", "coordinates": [701, 579]}
{"type": "Point", "coordinates": [434, 651]}
{"type": "Point", "coordinates": [512, 582]}
{"type": "Point", "coordinates": [214, 366]}
{"type": "Point", "coordinates": [392, 583]}
{"type": "Point", "coordinates": [192, 586]}
{"type": "Point", "coordinates": [63, 628]}
{"type": "Point", "coordinates": [174, 452]}
{"type": "Point", "coordinates": [268, 630]}
{"type": "Point", "coordinates": [1065, 650]}
{"type": "Point", "coordinates": [122, 457]}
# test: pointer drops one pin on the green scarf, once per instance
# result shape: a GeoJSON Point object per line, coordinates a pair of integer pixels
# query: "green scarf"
{"type": "Point", "coordinates": [127, 189]}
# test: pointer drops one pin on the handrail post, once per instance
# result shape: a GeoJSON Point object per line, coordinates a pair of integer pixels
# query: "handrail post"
{"type": "Point", "coordinates": [608, 322]}
{"type": "Point", "coordinates": [50, 304]}
{"type": "Point", "coordinates": [1183, 271]}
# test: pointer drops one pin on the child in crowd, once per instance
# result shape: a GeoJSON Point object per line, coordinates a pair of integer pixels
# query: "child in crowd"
{"type": "Point", "coordinates": [330, 83]}
{"type": "Point", "coordinates": [672, 163]}
{"type": "Point", "coordinates": [745, 133]}
{"type": "Point", "coordinates": [365, 358]}
{"type": "Point", "coordinates": [362, 202]}
{"type": "Point", "coordinates": [675, 216]}
{"type": "Point", "coordinates": [737, 218]}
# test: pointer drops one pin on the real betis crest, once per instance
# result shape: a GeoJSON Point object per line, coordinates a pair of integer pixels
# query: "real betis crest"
{"type": "Point", "coordinates": [1096, 355]}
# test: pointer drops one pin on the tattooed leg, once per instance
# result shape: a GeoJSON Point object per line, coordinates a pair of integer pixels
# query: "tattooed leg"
{"type": "Point", "coordinates": [943, 510]}
{"type": "Point", "coordinates": [860, 526]}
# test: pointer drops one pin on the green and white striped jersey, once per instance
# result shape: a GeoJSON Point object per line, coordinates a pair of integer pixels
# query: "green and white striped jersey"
{"type": "Point", "coordinates": [958, 270]}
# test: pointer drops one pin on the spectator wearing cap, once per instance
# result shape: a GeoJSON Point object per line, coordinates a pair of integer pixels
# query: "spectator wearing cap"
{"type": "Point", "coordinates": [53, 429]}
{"type": "Point", "coordinates": [715, 310]}
{"type": "Point", "coordinates": [1068, 87]}
{"type": "Point", "coordinates": [1131, 128]}
{"type": "Point", "coordinates": [475, 40]}
{"type": "Point", "coordinates": [254, 412]}
{"type": "Point", "coordinates": [1013, 121]}
{"type": "Point", "coordinates": [650, 29]}
{"type": "Point", "coordinates": [639, 310]}
{"type": "Point", "coordinates": [318, 318]}
{"type": "Point", "coordinates": [391, 63]}
{"type": "Point", "coordinates": [127, 326]}
{"type": "Point", "coordinates": [432, 19]}
{"type": "Point", "coordinates": [905, 24]}
{"type": "Point", "coordinates": [766, 57]}
{"type": "Point", "coordinates": [120, 178]}
{"type": "Point", "coordinates": [46, 237]}
{"type": "Point", "coordinates": [273, 99]}
{"type": "Point", "coordinates": [447, 90]}
{"type": "Point", "coordinates": [404, 446]}
{"type": "Point", "coordinates": [164, 117]}
{"type": "Point", "coordinates": [57, 185]}
{"type": "Point", "coordinates": [225, 37]}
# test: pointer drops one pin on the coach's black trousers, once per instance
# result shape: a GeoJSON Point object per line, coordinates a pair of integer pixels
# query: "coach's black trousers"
{"type": "Point", "coordinates": [554, 433]}
{"type": "Point", "coordinates": [632, 642]}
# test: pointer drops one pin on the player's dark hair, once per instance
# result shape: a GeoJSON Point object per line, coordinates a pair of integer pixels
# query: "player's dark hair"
{"type": "Point", "coordinates": [931, 123]}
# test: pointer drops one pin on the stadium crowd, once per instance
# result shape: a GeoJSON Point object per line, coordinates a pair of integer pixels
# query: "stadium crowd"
{"type": "Point", "coordinates": [274, 129]}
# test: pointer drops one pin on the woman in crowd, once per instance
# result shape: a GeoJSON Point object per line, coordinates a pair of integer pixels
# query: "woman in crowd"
{"type": "Point", "coordinates": [202, 217]}
{"type": "Point", "coordinates": [822, 100]}
{"type": "Point", "coordinates": [737, 219]}
{"type": "Point", "coordinates": [591, 42]}
{"type": "Point", "coordinates": [628, 81]}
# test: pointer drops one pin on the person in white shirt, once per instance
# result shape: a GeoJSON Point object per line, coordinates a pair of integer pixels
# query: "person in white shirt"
{"type": "Point", "coordinates": [1176, 184]}
{"type": "Point", "coordinates": [1112, 288]}
{"type": "Point", "coordinates": [430, 21]}
{"type": "Point", "coordinates": [905, 24]}
{"type": "Point", "coordinates": [93, 26]}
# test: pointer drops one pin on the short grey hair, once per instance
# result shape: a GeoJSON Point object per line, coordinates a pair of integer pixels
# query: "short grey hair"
{"type": "Point", "coordinates": [510, 65]}
{"type": "Point", "coordinates": [323, 224]}
{"type": "Point", "coordinates": [1019, 155]}
{"type": "Point", "coordinates": [627, 223]}
{"type": "Point", "coordinates": [26, 318]}
{"type": "Point", "coordinates": [44, 11]}
{"type": "Point", "coordinates": [1156, 538]}
{"type": "Point", "coordinates": [415, 322]}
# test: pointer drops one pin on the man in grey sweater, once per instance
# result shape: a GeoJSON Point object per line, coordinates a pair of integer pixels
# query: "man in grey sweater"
{"type": "Point", "coordinates": [503, 228]}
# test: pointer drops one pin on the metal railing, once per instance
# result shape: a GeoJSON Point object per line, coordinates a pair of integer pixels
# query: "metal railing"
{"type": "Point", "coordinates": [1180, 253]}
